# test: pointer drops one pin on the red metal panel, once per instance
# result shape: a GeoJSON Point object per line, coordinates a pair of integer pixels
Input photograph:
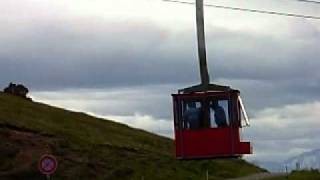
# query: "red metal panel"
{"type": "Point", "coordinates": [211, 142]}
{"type": "Point", "coordinates": [244, 148]}
{"type": "Point", "coordinates": [207, 142]}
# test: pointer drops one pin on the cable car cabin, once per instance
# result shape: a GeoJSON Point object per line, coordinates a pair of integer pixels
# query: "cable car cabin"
{"type": "Point", "coordinates": [207, 123]}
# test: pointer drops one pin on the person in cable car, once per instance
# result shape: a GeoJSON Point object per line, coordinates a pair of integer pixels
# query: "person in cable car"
{"type": "Point", "coordinates": [219, 114]}
{"type": "Point", "coordinates": [192, 115]}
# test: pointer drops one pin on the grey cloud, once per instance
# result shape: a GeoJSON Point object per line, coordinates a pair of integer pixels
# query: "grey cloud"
{"type": "Point", "coordinates": [292, 129]}
{"type": "Point", "coordinates": [68, 55]}
{"type": "Point", "coordinates": [271, 57]}
{"type": "Point", "coordinates": [269, 69]}
{"type": "Point", "coordinates": [152, 100]}
{"type": "Point", "coordinates": [122, 55]}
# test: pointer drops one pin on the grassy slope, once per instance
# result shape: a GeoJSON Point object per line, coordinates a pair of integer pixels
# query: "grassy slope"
{"type": "Point", "coordinates": [301, 175]}
{"type": "Point", "coordinates": [93, 148]}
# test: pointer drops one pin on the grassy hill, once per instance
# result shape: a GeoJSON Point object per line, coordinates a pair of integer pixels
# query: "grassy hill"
{"type": "Point", "coordinates": [300, 175]}
{"type": "Point", "coordinates": [92, 148]}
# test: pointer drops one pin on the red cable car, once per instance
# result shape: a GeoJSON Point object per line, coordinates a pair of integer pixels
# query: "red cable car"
{"type": "Point", "coordinates": [207, 123]}
{"type": "Point", "coordinates": [207, 117]}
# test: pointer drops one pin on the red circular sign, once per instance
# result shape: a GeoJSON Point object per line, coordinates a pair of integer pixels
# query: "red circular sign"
{"type": "Point", "coordinates": [48, 164]}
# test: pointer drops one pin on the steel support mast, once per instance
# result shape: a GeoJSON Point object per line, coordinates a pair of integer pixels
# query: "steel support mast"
{"type": "Point", "coordinates": [204, 74]}
{"type": "Point", "coordinates": [205, 80]}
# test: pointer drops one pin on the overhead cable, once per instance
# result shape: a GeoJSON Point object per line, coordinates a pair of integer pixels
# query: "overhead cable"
{"type": "Point", "coordinates": [309, 1]}
{"type": "Point", "coordinates": [251, 10]}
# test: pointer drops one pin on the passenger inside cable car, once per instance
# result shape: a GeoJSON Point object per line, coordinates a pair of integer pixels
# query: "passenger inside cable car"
{"type": "Point", "coordinates": [218, 109]}
{"type": "Point", "coordinates": [194, 116]}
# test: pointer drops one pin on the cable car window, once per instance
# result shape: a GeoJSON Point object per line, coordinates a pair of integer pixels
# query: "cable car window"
{"type": "Point", "coordinates": [191, 114]}
{"type": "Point", "coordinates": [219, 113]}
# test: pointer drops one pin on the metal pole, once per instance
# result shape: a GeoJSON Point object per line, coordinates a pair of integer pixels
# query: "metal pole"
{"type": "Point", "coordinates": [207, 175]}
{"type": "Point", "coordinates": [201, 43]}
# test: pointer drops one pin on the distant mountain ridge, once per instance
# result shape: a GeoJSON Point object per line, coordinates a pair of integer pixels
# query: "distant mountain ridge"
{"type": "Point", "coordinates": [307, 160]}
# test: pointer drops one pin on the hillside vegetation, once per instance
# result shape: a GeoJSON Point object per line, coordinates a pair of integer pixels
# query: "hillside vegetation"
{"type": "Point", "coordinates": [300, 175]}
{"type": "Point", "coordinates": [92, 148]}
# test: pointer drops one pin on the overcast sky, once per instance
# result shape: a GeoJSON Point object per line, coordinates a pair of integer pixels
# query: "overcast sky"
{"type": "Point", "coordinates": [123, 59]}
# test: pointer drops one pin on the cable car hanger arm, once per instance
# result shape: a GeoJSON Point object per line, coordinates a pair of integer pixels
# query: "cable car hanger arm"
{"type": "Point", "coordinates": [204, 74]}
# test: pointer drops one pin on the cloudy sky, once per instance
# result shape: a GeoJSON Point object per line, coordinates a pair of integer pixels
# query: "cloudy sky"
{"type": "Point", "coordinates": [122, 59]}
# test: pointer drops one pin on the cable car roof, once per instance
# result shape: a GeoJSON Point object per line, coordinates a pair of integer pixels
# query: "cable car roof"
{"type": "Point", "coordinates": [206, 88]}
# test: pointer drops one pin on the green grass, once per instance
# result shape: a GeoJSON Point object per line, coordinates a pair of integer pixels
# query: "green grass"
{"type": "Point", "coordinates": [300, 175]}
{"type": "Point", "coordinates": [92, 148]}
